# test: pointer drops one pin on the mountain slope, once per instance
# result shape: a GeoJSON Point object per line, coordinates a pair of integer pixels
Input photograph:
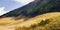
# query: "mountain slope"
{"type": "Point", "coordinates": [35, 8]}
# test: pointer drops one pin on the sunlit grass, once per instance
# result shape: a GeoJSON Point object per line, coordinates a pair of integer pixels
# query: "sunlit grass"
{"type": "Point", "coordinates": [48, 21]}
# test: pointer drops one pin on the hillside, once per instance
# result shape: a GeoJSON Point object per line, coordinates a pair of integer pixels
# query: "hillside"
{"type": "Point", "coordinates": [37, 15]}
{"type": "Point", "coordinates": [35, 8]}
{"type": "Point", "coordinates": [40, 22]}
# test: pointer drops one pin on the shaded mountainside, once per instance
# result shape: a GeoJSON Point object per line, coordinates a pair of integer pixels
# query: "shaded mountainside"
{"type": "Point", "coordinates": [35, 8]}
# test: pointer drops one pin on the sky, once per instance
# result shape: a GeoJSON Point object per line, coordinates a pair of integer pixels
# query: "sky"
{"type": "Point", "coordinates": [9, 5]}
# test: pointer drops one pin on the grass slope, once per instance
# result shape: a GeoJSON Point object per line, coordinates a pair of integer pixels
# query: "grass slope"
{"type": "Point", "coordinates": [48, 21]}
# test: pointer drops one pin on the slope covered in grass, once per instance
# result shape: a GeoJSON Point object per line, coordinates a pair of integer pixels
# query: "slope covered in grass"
{"type": "Point", "coordinates": [48, 21]}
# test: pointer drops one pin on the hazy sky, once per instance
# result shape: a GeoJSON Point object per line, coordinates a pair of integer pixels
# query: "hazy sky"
{"type": "Point", "coordinates": [8, 5]}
